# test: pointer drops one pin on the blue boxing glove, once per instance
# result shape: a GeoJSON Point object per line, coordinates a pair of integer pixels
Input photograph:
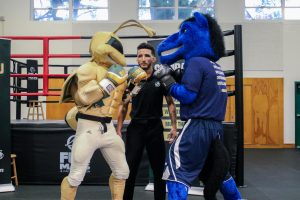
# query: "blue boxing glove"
{"type": "Point", "coordinates": [164, 75]}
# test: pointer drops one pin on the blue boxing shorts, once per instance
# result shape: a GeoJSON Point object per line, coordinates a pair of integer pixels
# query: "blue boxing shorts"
{"type": "Point", "coordinates": [187, 154]}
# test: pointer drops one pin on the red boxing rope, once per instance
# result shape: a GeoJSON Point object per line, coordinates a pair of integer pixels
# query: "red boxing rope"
{"type": "Point", "coordinates": [40, 75]}
{"type": "Point", "coordinates": [45, 57]}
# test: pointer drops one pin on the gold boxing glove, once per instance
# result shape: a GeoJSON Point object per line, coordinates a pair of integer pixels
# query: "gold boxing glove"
{"type": "Point", "coordinates": [136, 75]}
{"type": "Point", "coordinates": [116, 75]}
{"type": "Point", "coordinates": [136, 79]}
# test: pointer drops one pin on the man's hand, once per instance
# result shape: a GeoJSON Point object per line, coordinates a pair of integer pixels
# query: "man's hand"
{"type": "Point", "coordinates": [116, 75]}
{"type": "Point", "coordinates": [132, 91]}
{"type": "Point", "coordinates": [119, 132]}
{"type": "Point", "coordinates": [136, 78]}
{"type": "Point", "coordinates": [172, 135]}
{"type": "Point", "coordinates": [136, 75]}
{"type": "Point", "coordinates": [164, 74]}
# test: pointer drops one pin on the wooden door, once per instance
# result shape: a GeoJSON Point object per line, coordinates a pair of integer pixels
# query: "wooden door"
{"type": "Point", "coordinates": [263, 111]}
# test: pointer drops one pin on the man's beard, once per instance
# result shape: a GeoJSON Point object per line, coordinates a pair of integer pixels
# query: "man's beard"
{"type": "Point", "coordinates": [146, 67]}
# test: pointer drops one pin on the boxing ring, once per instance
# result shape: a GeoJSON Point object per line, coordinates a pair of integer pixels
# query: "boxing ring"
{"type": "Point", "coordinates": [30, 138]}
{"type": "Point", "coordinates": [53, 138]}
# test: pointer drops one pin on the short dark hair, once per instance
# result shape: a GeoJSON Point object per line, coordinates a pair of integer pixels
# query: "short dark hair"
{"type": "Point", "coordinates": [145, 45]}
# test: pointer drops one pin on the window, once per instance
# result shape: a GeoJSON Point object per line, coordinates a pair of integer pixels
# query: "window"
{"type": "Point", "coordinates": [80, 10]}
{"type": "Point", "coordinates": [173, 9]}
{"type": "Point", "coordinates": [292, 9]}
{"type": "Point", "coordinates": [272, 9]}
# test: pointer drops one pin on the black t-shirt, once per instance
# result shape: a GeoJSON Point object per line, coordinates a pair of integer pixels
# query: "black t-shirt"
{"type": "Point", "coordinates": [147, 104]}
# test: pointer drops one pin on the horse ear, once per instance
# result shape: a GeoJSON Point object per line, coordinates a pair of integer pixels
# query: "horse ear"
{"type": "Point", "coordinates": [201, 20]}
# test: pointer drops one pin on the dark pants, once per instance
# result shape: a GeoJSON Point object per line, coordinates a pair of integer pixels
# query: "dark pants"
{"type": "Point", "coordinates": [149, 134]}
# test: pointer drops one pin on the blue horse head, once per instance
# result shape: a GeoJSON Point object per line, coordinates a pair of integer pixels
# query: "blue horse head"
{"type": "Point", "coordinates": [198, 36]}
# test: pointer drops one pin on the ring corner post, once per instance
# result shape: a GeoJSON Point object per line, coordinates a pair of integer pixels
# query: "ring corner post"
{"type": "Point", "coordinates": [5, 134]}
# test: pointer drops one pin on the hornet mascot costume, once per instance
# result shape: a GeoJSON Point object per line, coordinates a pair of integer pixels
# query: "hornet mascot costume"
{"type": "Point", "coordinates": [97, 88]}
{"type": "Point", "coordinates": [201, 90]}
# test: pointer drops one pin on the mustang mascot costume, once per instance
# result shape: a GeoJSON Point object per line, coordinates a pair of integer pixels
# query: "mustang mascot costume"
{"type": "Point", "coordinates": [202, 93]}
{"type": "Point", "coordinates": [97, 88]}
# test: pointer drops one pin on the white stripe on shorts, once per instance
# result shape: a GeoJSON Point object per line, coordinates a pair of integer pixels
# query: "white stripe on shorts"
{"type": "Point", "coordinates": [176, 147]}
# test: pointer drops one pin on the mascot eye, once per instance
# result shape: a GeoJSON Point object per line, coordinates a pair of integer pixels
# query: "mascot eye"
{"type": "Point", "coordinates": [115, 44]}
{"type": "Point", "coordinates": [183, 30]}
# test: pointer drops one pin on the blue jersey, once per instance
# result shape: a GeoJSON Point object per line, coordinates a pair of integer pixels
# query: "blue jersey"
{"type": "Point", "coordinates": [207, 79]}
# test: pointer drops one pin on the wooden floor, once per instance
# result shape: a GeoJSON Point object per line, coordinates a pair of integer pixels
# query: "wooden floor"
{"type": "Point", "coordinates": [270, 174]}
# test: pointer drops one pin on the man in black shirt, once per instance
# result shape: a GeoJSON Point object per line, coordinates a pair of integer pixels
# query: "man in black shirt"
{"type": "Point", "coordinates": [145, 128]}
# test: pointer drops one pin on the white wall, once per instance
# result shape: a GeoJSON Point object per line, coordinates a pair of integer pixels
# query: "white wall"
{"type": "Point", "coordinates": [291, 43]}
{"type": "Point", "coordinates": [270, 48]}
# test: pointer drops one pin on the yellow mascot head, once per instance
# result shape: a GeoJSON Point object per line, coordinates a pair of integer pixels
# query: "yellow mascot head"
{"type": "Point", "coordinates": [106, 49]}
